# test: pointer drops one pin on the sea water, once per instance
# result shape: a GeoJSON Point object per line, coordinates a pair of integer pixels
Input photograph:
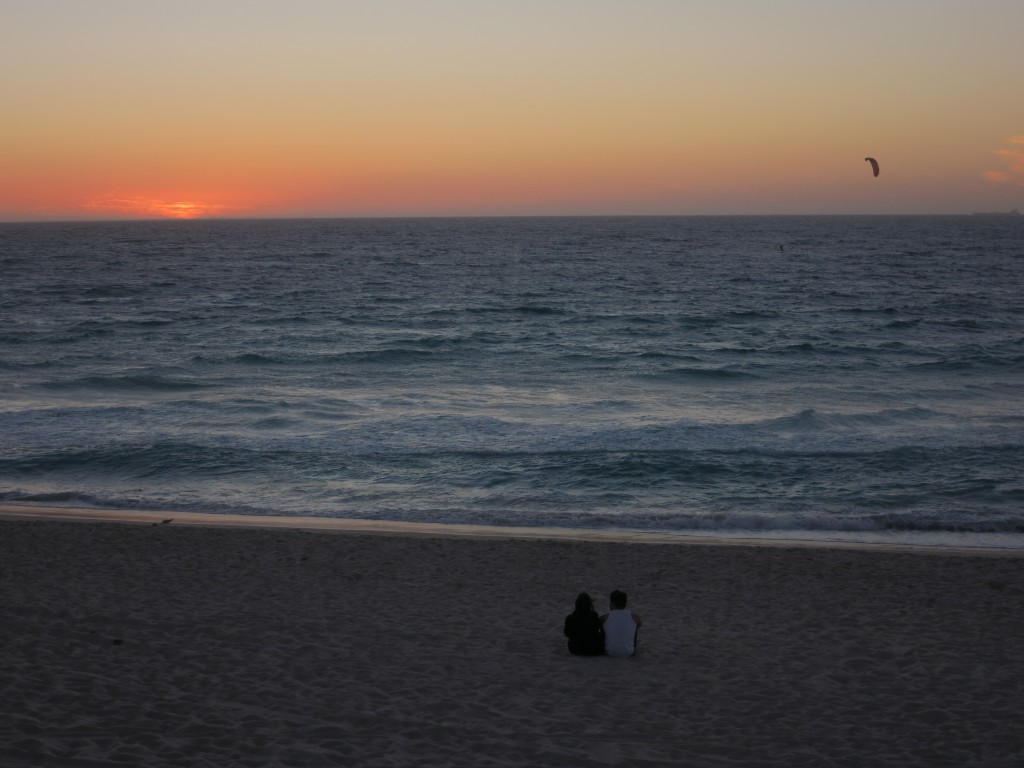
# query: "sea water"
{"type": "Point", "coordinates": [788, 376]}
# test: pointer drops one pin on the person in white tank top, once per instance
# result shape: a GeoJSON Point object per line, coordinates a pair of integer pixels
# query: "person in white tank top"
{"type": "Point", "coordinates": [620, 627]}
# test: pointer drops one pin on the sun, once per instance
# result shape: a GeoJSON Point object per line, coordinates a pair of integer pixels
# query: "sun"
{"type": "Point", "coordinates": [185, 210]}
{"type": "Point", "coordinates": [154, 208]}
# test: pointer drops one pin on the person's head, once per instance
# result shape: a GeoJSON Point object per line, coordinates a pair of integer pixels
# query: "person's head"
{"type": "Point", "coordinates": [584, 603]}
{"type": "Point", "coordinates": [618, 600]}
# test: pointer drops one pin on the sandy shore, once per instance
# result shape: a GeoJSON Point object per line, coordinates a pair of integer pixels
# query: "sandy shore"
{"type": "Point", "coordinates": [185, 645]}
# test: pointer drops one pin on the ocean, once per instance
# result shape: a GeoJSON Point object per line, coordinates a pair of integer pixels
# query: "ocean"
{"type": "Point", "coordinates": [853, 378]}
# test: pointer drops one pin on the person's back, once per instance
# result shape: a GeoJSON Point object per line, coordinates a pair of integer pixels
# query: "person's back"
{"type": "Point", "coordinates": [620, 627]}
{"type": "Point", "coordinates": [584, 630]}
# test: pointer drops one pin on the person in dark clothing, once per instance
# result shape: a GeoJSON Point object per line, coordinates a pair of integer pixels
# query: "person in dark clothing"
{"type": "Point", "coordinates": [583, 628]}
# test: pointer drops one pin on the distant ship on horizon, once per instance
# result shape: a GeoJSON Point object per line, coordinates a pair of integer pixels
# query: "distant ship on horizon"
{"type": "Point", "coordinates": [1011, 212]}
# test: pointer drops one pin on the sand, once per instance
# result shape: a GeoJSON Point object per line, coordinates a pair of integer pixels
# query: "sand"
{"type": "Point", "coordinates": [140, 644]}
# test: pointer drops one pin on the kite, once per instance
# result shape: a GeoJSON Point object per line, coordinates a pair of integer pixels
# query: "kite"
{"type": "Point", "coordinates": [874, 164]}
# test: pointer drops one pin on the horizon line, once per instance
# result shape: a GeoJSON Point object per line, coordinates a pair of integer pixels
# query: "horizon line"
{"type": "Point", "coordinates": [385, 217]}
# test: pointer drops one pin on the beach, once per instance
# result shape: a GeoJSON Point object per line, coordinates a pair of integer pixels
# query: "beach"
{"type": "Point", "coordinates": [146, 643]}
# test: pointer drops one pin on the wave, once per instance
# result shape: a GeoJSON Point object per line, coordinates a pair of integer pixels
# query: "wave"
{"type": "Point", "coordinates": [971, 362]}
{"type": "Point", "coordinates": [814, 421]}
{"type": "Point", "coordinates": [364, 423]}
{"type": "Point", "coordinates": [900, 324]}
{"type": "Point", "coordinates": [321, 359]}
{"type": "Point", "coordinates": [521, 309]}
{"type": "Point", "coordinates": [949, 527]}
{"type": "Point", "coordinates": [751, 314]}
{"type": "Point", "coordinates": [908, 488]}
{"type": "Point", "coordinates": [141, 383]}
{"type": "Point", "coordinates": [791, 523]}
{"type": "Point", "coordinates": [136, 460]}
{"type": "Point", "coordinates": [596, 467]}
{"type": "Point", "coordinates": [703, 374]}
{"type": "Point", "coordinates": [599, 463]}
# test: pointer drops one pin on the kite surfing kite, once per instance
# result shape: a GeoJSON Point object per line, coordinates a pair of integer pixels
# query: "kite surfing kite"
{"type": "Point", "coordinates": [874, 164]}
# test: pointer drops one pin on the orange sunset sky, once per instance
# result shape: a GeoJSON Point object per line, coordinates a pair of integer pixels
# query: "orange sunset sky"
{"type": "Point", "coordinates": [126, 109]}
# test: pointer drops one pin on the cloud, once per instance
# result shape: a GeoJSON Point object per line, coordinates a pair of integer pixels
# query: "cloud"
{"type": "Point", "coordinates": [1013, 157]}
{"type": "Point", "coordinates": [145, 207]}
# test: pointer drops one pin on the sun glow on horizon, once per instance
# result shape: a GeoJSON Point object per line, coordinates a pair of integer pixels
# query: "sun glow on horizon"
{"type": "Point", "coordinates": [153, 208]}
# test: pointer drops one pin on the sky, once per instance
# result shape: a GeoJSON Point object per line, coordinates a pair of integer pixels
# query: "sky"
{"type": "Point", "coordinates": [250, 108]}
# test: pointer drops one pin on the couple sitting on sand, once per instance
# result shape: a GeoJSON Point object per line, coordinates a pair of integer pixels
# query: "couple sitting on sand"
{"type": "Point", "coordinates": [613, 634]}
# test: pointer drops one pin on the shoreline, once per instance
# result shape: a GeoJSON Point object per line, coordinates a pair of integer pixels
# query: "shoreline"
{"type": "Point", "coordinates": [445, 530]}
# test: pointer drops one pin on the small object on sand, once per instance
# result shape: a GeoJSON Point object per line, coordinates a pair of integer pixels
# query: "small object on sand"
{"type": "Point", "coordinates": [165, 522]}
